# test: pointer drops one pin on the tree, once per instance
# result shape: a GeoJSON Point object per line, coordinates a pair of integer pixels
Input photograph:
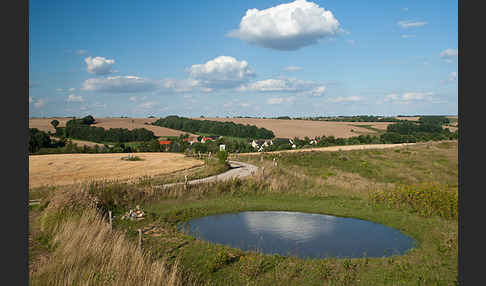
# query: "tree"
{"type": "Point", "coordinates": [55, 123]}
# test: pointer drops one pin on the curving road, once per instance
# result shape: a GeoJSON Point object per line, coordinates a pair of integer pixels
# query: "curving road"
{"type": "Point", "coordinates": [237, 170]}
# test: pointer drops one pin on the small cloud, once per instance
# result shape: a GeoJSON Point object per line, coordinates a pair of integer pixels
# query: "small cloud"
{"type": "Point", "coordinates": [344, 99]}
{"type": "Point", "coordinates": [120, 84]}
{"type": "Point", "coordinates": [99, 65]}
{"type": "Point", "coordinates": [351, 42]}
{"type": "Point", "coordinates": [34, 84]}
{"type": "Point", "coordinates": [244, 104]}
{"type": "Point", "coordinates": [451, 78]}
{"type": "Point", "coordinates": [81, 52]}
{"type": "Point", "coordinates": [148, 104]}
{"type": "Point", "coordinates": [408, 24]}
{"type": "Point", "coordinates": [72, 89]}
{"type": "Point", "coordinates": [407, 36]}
{"type": "Point", "coordinates": [40, 103]}
{"type": "Point", "coordinates": [280, 100]}
{"type": "Point", "coordinates": [405, 9]}
{"type": "Point", "coordinates": [30, 99]}
{"type": "Point", "coordinates": [99, 105]}
{"type": "Point", "coordinates": [292, 68]}
{"type": "Point", "coordinates": [75, 98]}
{"type": "Point", "coordinates": [449, 54]}
{"type": "Point", "coordinates": [132, 98]}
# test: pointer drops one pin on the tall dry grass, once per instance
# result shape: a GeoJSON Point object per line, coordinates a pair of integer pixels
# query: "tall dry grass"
{"type": "Point", "coordinates": [88, 252]}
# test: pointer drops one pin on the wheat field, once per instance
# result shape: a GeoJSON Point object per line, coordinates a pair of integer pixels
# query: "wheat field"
{"type": "Point", "coordinates": [67, 169]}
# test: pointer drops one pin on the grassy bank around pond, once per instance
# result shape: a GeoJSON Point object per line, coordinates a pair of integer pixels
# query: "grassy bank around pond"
{"type": "Point", "coordinates": [334, 183]}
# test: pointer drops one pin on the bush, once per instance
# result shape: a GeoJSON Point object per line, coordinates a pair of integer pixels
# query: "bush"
{"type": "Point", "coordinates": [427, 199]}
{"type": "Point", "coordinates": [222, 156]}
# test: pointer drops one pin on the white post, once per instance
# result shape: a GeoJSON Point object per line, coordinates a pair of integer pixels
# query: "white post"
{"type": "Point", "coordinates": [139, 239]}
{"type": "Point", "coordinates": [111, 224]}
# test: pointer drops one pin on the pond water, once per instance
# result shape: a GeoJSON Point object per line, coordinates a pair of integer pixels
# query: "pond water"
{"type": "Point", "coordinates": [304, 235]}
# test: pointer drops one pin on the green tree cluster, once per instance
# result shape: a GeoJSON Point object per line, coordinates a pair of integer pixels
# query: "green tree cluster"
{"type": "Point", "coordinates": [214, 127]}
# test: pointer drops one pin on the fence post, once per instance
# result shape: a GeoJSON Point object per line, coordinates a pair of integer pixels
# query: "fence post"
{"type": "Point", "coordinates": [263, 172]}
{"type": "Point", "coordinates": [111, 223]}
{"type": "Point", "coordinates": [139, 239]}
{"type": "Point", "coordinates": [185, 182]}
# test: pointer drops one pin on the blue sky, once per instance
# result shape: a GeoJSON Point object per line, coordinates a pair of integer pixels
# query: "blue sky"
{"type": "Point", "coordinates": [242, 58]}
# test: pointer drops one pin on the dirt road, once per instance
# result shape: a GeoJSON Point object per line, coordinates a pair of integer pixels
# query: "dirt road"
{"type": "Point", "coordinates": [237, 170]}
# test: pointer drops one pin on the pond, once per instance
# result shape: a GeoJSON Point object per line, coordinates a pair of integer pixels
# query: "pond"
{"type": "Point", "coordinates": [303, 235]}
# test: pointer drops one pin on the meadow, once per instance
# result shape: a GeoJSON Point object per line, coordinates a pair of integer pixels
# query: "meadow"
{"type": "Point", "coordinates": [411, 188]}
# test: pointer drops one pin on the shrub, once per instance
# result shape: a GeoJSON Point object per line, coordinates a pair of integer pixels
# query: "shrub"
{"type": "Point", "coordinates": [222, 156]}
{"type": "Point", "coordinates": [427, 199]}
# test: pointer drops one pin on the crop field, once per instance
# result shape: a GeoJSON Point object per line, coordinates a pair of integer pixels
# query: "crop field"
{"type": "Point", "coordinates": [44, 124]}
{"type": "Point", "coordinates": [66, 169]}
{"type": "Point", "coordinates": [301, 128]}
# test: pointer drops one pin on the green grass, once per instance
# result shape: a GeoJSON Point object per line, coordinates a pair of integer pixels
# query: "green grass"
{"type": "Point", "coordinates": [334, 183]}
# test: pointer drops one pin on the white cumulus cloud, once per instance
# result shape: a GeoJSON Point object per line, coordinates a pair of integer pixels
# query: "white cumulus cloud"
{"type": "Point", "coordinates": [180, 85]}
{"type": "Point", "coordinates": [406, 36]}
{"type": "Point", "coordinates": [288, 26]}
{"type": "Point", "coordinates": [117, 84]}
{"type": "Point", "coordinates": [221, 72]}
{"type": "Point", "coordinates": [99, 65]}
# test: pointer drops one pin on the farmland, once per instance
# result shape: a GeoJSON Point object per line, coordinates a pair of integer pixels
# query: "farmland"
{"type": "Point", "coordinates": [412, 188]}
{"type": "Point", "coordinates": [65, 169]}
{"type": "Point", "coordinates": [107, 123]}
{"type": "Point", "coordinates": [311, 129]}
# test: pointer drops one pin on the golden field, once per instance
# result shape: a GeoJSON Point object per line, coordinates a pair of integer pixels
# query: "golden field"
{"type": "Point", "coordinates": [66, 169]}
{"type": "Point", "coordinates": [301, 128]}
{"type": "Point", "coordinates": [44, 124]}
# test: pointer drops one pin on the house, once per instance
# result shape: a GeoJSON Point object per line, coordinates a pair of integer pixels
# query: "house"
{"type": "Point", "coordinates": [191, 140]}
{"type": "Point", "coordinates": [205, 139]}
{"type": "Point", "coordinates": [165, 143]}
{"type": "Point", "coordinates": [261, 144]}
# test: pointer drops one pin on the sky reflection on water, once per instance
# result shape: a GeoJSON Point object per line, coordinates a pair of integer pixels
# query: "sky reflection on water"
{"type": "Point", "coordinates": [301, 234]}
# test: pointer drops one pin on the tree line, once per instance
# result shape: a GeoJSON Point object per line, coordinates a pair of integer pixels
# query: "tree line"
{"type": "Point", "coordinates": [82, 129]}
{"type": "Point", "coordinates": [214, 127]}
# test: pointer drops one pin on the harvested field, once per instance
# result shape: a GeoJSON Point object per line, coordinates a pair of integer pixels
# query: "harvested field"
{"type": "Point", "coordinates": [66, 169]}
{"type": "Point", "coordinates": [302, 128]}
{"type": "Point", "coordinates": [81, 143]}
{"type": "Point", "coordinates": [44, 124]}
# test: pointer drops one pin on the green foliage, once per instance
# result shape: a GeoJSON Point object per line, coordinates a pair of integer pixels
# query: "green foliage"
{"type": "Point", "coordinates": [222, 156]}
{"type": "Point", "coordinates": [214, 127]}
{"type": "Point", "coordinates": [81, 129]}
{"type": "Point", "coordinates": [427, 199]}
{"type": "Point", "coordinates": [38, 139]}
{"type": "Point", "coordinates": [54, 123]}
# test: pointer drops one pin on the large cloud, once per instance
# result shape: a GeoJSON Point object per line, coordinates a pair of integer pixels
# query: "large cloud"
{"type": "Point", "coordinates": [221, 72]}
{"type": "Point", "coordinates": [117, 84]}
{"type": "Point", "coordinates": [99, 65]}
{"type": "Point", "coordinates": [287, 27]}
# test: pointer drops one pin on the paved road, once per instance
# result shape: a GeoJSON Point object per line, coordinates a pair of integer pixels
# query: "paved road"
{"type": "Point", "coordinates": [238, 170]}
